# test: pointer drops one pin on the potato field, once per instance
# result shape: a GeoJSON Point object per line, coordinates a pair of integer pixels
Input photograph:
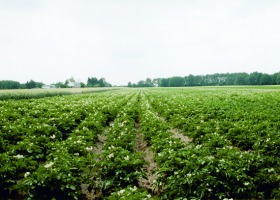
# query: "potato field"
{"type": "Point", "coordinates": [150, 143]}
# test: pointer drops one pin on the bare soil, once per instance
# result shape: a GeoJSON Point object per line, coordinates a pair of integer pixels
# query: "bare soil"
{"type": "Point", "coordinates": [177, 134]}
{"type": "Point", "coordinates": [150, 167]}
{"type": "Point", "coordinates": [95, 193]}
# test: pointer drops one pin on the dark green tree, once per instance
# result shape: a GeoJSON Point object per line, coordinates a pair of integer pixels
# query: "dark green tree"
{"type": "Point", "coordinates": [8, 84]}
{"type": "Point", "coordinates": [61, 85]}
{"type": "Point", "coordinates": [190, 80]}
{"type": "Point", "coordinates": [92, 82]}
{"type": "Point", "coordinates": [278, 79]}
{"type": "Point", "coordinates": [254, 78]}
{"type": "Point", "coordinates": [176, 81]}
{"type": "Point", "coordinates": [164, 82]}
{"type": "Point", "coordinates": [30, 84]}
{"type": "Point", "coordinates": [265, 79]}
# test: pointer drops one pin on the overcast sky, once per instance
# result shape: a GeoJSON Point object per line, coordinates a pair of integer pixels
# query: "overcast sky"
{"type": "Point", "coordinates": [130, 40]}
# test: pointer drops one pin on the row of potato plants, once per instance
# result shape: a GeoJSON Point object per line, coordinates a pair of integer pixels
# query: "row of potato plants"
{"type": "Point", "coordinates": [246, 118]}
{"type": "Point", "coordinates": [120, 161]}
{"type": "Point", "coordinates": [45, 144]}
{"type": "Point", "coordinates": [208, 167]}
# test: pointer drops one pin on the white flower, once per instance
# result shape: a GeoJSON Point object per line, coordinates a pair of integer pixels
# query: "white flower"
{"type": "Point", "coordinates": [111, 155]}
{"type": "Point", "coordinates": [134, 189]}
{"type": "Point", "coordinates": [246, 183]}
{"type": "Point", "coordinates": [121, 192]}
{"type": "Point", "coordinates": [89, 148]}
{"type": "Point", "coordinates": [26, 174]}
{"type": "Point", "coordinates": [149, 196]}
{"type": "Point", "coordinates": [18, 156]}
{"type": "Point", "coordinates": [111, 147]}
{"type": "Point", "coordinates": [126, 158]}
{"type": "Point", "coordinates": [48, 165]}
{"type": "Point", "coordinates": [76, 154]}
{"type": "Point", "coordinates": [270, 170]}
{"type": "Point", "coordinates": [79, 141]}
{"type": "Point", "coordinates": [52, 136]}
{"type": "Point", "coordinates": [85, 129]}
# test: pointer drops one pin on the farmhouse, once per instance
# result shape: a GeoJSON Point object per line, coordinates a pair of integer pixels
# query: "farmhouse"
{"type": "Point", "coordinates": [74, 84]}
{"type": "Point", "coordinates": [48, 86]}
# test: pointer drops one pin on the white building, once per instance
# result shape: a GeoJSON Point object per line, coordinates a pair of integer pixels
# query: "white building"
{"type": "Point", "coordinates": [74, 84]}
{"type": "Point", "coordinates": [48, 86]}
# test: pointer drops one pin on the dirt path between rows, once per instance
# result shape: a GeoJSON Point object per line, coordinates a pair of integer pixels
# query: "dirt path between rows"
{"type": "Point", "coordinates": [177, 134]}
{"type": "Point", "coordinates": [95, 193]}
{"type": "Point", "coordinates": [151, 165]}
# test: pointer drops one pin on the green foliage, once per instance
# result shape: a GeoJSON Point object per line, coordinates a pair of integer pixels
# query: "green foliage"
{"type": "Point", "coordinates": [94, 82]}
{"type": "Point", "coordinates": [86, 146]}
{"type": "Point", "coordinates": [255, 78]}
{"type": "Point", "coordinates": [234, 152]}
{"type": "Point", "coordinates": [9, 85]}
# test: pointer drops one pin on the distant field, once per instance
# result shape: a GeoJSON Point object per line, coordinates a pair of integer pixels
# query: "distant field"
{"type": "Point", "coordinates": [143, 143]}
{"type": "Point", "coordinates": [39, 93]}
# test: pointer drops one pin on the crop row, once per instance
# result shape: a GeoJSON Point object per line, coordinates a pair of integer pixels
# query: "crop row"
{"type": "Point", "coordinates": [87, 145]}
{"type": "Point", "coordinates": [208, 167]}
{"type": "Point", "coordinates": [244, 119]}
{"type": "Point", "coordinates": [48, 141]}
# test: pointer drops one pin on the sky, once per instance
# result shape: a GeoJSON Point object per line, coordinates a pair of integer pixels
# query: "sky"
{"type": "Point", "coordinates": [130, 40]}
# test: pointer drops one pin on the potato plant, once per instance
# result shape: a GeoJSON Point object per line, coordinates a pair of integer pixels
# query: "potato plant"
{"type": "Point", "coordinates": [205, 143]}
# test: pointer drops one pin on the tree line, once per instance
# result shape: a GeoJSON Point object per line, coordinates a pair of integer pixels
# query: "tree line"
{"type": "Point", "coordinates": [9, 84]}
{"type": "Point", "coordinates": [91, 82]}
{"type": "Point", "coordinates": [218, 79]}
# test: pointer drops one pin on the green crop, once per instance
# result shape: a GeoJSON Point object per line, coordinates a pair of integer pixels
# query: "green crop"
{"type": "Point", "coordinates": [206, 143]}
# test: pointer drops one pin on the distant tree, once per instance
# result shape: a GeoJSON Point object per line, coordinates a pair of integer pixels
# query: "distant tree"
{"type": "Point", "coordinates": [198, 80]}
{"type": "Point", "coordinates": [30, 84]}
{"type": "Point", "coordinates": [71, 79]}
{"type": "Point", "coordinates": [149, 82]}
{"type": "Point", "coordinates": [156, 82]}
{"type": "Point", "coordinates": [129, 84]}
{"type": "Point", "coordinates": [273, 79]}
{"type": "Point", "coordinates": [176, 81]}
{"type": "Point", "coordinates": [230, 79]}
{"type": "Point", "coordinates": [102, 82]}
{"type": "Point", "coordinates": [164, 82]}
{"type": "Point", "coordinates": [94, 82]}
{"type": "Point", "coordinates": [141, 84]}
{"type": "Point", "coordinates": [61, 85]}
{"type": "Point", "coordinates": [241, 78]}
{"type": "Point", "coordinates": [254, 78]}
{"type": "Point", "coordinates": [83, 85]}
{"type": "Point", "coordinates": [190, 80]}
{"type": "Point", "coordinates": [39, 84]}
{"type": "Point", "coordinates": [265, 79]}
{"type": "Point", "coordinates": [278, 79]}
{"type": "Point", "coordinates": [8, 84]}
